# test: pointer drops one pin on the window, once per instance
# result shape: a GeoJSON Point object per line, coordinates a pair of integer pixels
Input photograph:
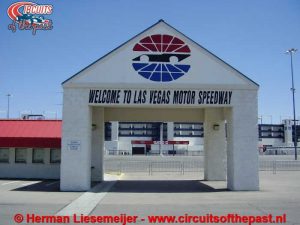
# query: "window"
{"type": "Point", "coordinates": [4, 155]}
{"type": "Point", "coordinates": [107, 131]}
{"type": "Point", "coordinates": [55, 156]}
{"type": "Point", "coordinates": [38, 155]}
{"type": "Point", "coordinates": [21, 155]}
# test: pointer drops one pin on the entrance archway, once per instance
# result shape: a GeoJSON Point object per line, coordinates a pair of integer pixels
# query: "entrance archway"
{"type": "Point", "coordinates": [119, 87]}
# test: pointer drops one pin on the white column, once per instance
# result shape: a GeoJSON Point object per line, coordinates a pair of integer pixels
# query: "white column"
{"type": "Point", "coordinates": [114, 144]}
{"type": "Point", "coordinates": [288, 132]}
{"type": "Point", "coordinates": [97, 143]}
{"type": "Point", "coordinates": [161, 138]}
{"type": "Point", "coordinates": [170, 131]}
{"type": "Point", "coordinates": [77, 125]}
{"type": "Point", "coordinates": [242, 148]}
{"type": "Point", "coordinates": [114, 130]}
{"type": "Point", "coordinates": [214, 145]}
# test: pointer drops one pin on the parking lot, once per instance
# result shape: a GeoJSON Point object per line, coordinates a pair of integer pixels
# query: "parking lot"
{"type": "Point", "coordinates": [31, 196]}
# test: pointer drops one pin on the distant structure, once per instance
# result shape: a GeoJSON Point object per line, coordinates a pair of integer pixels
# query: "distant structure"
{"type": "Point", "coordinates": [33, 117]}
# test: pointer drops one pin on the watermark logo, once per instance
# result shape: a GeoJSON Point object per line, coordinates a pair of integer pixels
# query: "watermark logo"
{"type": "Point", "coordinates": [161, 58]}
{"type": "Point", "coordinates": [29, 16]}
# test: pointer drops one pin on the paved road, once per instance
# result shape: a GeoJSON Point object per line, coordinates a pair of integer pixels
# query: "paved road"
{"type": "Point", "coordinates": [160, 194]}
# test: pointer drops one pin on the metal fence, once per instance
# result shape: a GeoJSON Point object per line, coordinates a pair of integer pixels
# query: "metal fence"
{"type": "Point", "coordinates": [152, 167]}
{"type": "Point", "coordinates": [271, 150]}
{"type": "Point", "coordinates": [285, 165]}
{"type": "Point", "coordinates": [177, 152]}
{"type": "Point", "coordinates": [182, 166]}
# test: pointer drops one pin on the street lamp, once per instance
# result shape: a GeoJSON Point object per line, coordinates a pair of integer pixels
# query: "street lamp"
{"type": "Point", "coordinates": [291, 52]}
{"type": "Point", "coordinates": [8, 96]}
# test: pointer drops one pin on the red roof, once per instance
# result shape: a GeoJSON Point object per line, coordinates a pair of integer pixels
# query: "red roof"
{"type": "Point", "coordinates": [30, 133]}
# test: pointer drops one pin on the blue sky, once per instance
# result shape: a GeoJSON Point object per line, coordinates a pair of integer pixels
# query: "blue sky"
{"type": "Point", "coordinates": [252, 36]}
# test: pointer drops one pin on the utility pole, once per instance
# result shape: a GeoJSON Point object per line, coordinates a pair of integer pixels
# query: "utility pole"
{"type": "Point", "coordinates": [291, 52]}
{"type": "Point", "coordinates": [8, 97]}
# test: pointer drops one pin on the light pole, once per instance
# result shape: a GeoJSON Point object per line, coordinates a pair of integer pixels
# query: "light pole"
{"type": "Point", "coordinates": [291, 52]}
{"type": "Point", "coordinates": [8, 96]}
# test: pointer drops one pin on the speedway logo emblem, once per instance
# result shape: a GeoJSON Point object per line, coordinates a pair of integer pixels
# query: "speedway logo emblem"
{"type": "Point", "coordinates": [29, 16]}
{"type": "Point", "coordinates": [161, 58]}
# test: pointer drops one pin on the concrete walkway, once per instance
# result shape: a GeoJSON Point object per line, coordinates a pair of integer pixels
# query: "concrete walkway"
{"type": "Point", "coordinates": [167, 195]}
{"type": "Point", "coordinates": [89, 200]}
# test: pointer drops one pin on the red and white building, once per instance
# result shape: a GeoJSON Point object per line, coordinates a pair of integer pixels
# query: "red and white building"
{"type": "Point", "coordinates": [30, 149]}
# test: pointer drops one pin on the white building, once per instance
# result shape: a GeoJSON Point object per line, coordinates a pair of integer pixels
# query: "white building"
{"type": "Point", "coordinates": [121, 138]}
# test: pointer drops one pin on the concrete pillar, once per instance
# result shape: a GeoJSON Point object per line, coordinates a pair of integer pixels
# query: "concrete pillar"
{"type": "Point", "coordinates": [114, 144]}
{"type": "Point", "coordinates": [98, 131]}
{"type": "Point", "coordinates": [214, 145]}
{"type": "Point", "coordinates": [288, 132]}
{"type": "Point", "coordinates": [114, 130]}
{"type": "Point", "coordinates": [242, 142]}
{"type": "Point", "coordinates": [170, 131]}
{"type": "Point", "coordinates": [75, 173]}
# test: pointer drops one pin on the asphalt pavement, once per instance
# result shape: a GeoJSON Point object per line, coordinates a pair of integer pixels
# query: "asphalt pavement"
{"type": "Point", "coordinates": [142, 195]}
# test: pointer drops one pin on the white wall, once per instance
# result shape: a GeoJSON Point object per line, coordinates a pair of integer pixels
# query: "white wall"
{"type": "Point", "coordinates": [124, 144]}
{"type": "Point", "coordinates": [31, 170]}
{"type": "Point", "coordinates": [242, 142]}
{"type": "Point", "coordinates": [288, 134]}
{"type": "Point", "coordinates": [214, 145]}
{"type": "Point", "coordinates": [195, 143]}
{"type": "Point", "coordinates": [271, 141]}
{"type": "Point", "coordinates": [76, 128]}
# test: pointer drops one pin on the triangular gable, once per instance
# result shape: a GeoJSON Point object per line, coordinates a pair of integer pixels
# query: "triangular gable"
{"type": "Point", "coordinates": [160, 56]}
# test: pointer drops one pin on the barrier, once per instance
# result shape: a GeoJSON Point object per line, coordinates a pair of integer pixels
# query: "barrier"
{"type": "Point", "coordinates": [182, 165]}
{"type": "Point", "coordinates": [176, 152]}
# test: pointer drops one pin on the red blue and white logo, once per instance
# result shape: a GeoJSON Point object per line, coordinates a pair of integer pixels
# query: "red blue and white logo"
{"type": "Point", "coordinates": [161, 58]}
{"type": "Point", "coordinates": [29, 16]}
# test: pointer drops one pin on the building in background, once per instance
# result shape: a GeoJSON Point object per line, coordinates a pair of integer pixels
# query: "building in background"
{"type": "Point", "coordinates": [32, 148]}
{"type": "Point", "coordinates": [119, 137]}
{"type": "Point", "coordinates": [122, 138]}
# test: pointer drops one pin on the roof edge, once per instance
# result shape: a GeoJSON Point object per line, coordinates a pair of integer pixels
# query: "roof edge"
{"type": "Point", "coordinates": [162, 21]}
{"type": "Point", "coordinates": [121, 45]}
{"type": "Point", "coordinates": [213, 54]}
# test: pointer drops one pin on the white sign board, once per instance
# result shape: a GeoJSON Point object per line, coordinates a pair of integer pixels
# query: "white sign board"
{"type": "Point", "coordinates": [74, 145]}
{"type": "Point", "coordinates": [159, 97]}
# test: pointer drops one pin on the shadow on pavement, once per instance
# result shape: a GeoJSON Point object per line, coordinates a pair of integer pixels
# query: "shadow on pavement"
{"type": "Point", "coordinates": [132, 186]}
{"type": "Point", "coordinates": [43, 186]}
{"type": "Point", "coordinates": [46, 186]}
{"type": "Point", "coordinates": [162, 186]}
